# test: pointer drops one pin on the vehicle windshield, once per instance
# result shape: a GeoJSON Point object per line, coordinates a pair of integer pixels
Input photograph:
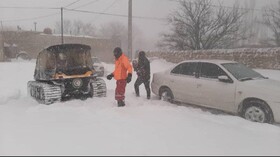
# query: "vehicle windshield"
{"type": "Point", "coordinates": [73, 59]}
{"type": "Point", "coordinates": [241, 72]}
{"type": "Point", "coordinates": [96, 60]}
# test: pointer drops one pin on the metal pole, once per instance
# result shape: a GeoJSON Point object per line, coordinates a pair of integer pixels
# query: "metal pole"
{"type": "Point", "coordinates": [2, 58]}
{"type": "Point", "coordinates": [130, 29]}
{"type": "Point", "coordinates": [1, 26]}
{"type": "Point", "coordinates": [35, 26]}
{"type": "Point", "coordinates": [62, 41]}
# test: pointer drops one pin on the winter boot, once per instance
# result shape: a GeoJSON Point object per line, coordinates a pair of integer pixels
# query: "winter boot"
{"type": "Point", "coordinates": [148, 94]}
{"type": "Point", "coordinates": [137, 93]}
{"type": "Point", "coordinates": [121, 103]}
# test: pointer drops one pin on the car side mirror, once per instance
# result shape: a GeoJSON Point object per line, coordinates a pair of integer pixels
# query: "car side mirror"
{"type": "Point", "coordinates": [224, 78]}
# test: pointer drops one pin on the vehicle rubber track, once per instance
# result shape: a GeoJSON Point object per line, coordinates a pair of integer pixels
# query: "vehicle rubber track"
{"type": "Point", "coordinates": [99, 88]}
{"type": "Point", "coordinates": [44, 93]}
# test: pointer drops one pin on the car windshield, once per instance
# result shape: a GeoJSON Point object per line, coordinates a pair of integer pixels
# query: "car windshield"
{"type": "Point", "coordinates": [73, 59]}
{"type": "Point", "coordinates": [241, 72]}
{"type": "Point", "coordinates": [95, 60]}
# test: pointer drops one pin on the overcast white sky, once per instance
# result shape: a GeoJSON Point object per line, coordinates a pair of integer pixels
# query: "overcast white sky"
{"type": "Point", "coordinates": [25, 18]}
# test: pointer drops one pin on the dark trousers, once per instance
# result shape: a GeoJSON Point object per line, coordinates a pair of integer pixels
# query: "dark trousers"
{"type": "Point", "coordinates": [120, 90]}
{"type": "Point", "coordinates": [146, 82]}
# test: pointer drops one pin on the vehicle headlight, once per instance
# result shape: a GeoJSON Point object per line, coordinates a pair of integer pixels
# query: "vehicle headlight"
{"type": "Point", "coordinates": [77, 83]}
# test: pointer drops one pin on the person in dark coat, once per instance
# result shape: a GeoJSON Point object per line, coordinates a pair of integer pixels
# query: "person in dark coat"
{"type": "Point", "coordinates": [143, 71]}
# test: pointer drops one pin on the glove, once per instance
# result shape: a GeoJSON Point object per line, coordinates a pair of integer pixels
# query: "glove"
{"type": "Point", "coordinates": [109, 77]}
{"type": "Point", "coordinates": [128, 79]}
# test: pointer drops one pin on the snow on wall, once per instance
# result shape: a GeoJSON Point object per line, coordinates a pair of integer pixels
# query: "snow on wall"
{"type": "Point", "coordinates": [34, 42]}
{"type": "Point", "coordinates": [263, 58]}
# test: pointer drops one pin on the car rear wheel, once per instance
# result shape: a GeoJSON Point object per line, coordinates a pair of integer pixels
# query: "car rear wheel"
{"type": "Point", "coordinates": [166, 95]}
{"type": "Point", "coordinates": [257, 111]}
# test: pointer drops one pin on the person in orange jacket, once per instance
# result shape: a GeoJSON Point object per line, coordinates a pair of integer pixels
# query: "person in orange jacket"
{"type": "Point", "coordinates": [122, 74]}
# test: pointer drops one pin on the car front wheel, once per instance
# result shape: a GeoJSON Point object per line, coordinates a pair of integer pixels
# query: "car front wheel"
{"type": "Point", "coordinates": [257, 111]}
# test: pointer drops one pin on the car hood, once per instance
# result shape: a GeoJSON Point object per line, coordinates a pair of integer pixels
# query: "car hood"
{"type": "Point", "coordinates": [264, 83]}
{"type": "Point", "coordinates": [263, 87]}
{"type": "Point", "coordinates": [98, 64]}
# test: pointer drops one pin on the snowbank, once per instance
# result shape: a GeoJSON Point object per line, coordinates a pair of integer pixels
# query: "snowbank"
{"type": "Point", "coordinates": [144, 127]}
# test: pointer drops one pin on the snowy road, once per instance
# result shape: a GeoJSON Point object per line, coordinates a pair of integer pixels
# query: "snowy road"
{"type": "Point", "coordinates": [144, 127]}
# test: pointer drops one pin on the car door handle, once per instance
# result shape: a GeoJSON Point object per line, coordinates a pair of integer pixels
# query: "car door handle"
{"type": "Point", "coordinates": [199, 85]}
{"type": "Point", "coordinates": [172, 81]}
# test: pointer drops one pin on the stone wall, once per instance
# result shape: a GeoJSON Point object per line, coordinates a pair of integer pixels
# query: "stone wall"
{"type": "Point", "coordinates": [34, 42]}
{"type": "Point", "coordinates": [264, 58]}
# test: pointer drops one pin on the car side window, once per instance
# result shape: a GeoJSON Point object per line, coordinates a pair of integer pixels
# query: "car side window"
{"type": "Point", "coordinates": [209, 70]}
{"type": "Point", "coordinates": [177, 69]}
{"type": "Point", "coordinates": [185, 69]}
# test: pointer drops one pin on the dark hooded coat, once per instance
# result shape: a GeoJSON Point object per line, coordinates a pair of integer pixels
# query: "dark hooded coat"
{"type": "Point", "coordinates": [143, 68]}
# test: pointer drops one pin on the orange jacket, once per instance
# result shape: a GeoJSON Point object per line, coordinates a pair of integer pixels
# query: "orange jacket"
{"type": "Point", "coordinates": [122, 68]}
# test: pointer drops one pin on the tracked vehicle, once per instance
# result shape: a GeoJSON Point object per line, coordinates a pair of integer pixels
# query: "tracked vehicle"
{"type": "Point", "coordinates": [64, 72]}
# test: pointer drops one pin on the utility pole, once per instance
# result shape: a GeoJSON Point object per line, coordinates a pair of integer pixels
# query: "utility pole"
{"type": "Point", "coordinates": [1, 26]}
{"type": "Point", "coordinates": [62, 41]}
{"type": "Point", "coordinates": [130, 29]}
{"type": "Point", "coordinates": [35, 23]}
{"type": "Point", "coordinates": [2, 58]}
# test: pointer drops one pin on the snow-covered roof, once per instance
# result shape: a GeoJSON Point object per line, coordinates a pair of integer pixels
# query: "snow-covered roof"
{"type": "Point", "coordinates": [8, 45]}
{"type": "Point", "coordinates": [78, 36]}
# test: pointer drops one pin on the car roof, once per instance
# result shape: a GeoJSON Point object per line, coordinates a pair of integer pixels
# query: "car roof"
{"type": "Point", "coordinates": [63, 47]}
{"type": "Point", "coordinates": [215, 61]}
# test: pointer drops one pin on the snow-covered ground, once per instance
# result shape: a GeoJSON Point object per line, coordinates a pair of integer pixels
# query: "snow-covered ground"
{"type": "Point", "coordinates": [144, 127]}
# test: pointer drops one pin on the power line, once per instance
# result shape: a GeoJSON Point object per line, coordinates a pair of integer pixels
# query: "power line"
{"type": "Point", "coordinates": [75, 10]}
{"type": "Point", "coordinates": [92, 12]}
{"type": "Point", "coordinates": [117, 15]}
{"type": "Point", "coordinates": [114, 2]}
{"type": "Point", "coordinates": [29, 19]}
{"type": "Point", "coordinates": [86, 4]}
{"type": "Point", "coordinates": [104, 10]}
{"type": "Point", "coordinates": [72, 3]}
{"type": "Point", "coordinates": [8, 7]}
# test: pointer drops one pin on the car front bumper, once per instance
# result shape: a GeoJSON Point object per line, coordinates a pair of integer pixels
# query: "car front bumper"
{"type": "Point", "coordinates": [100, 73]}
{"type": "Point", "coordinates": [275, 107]}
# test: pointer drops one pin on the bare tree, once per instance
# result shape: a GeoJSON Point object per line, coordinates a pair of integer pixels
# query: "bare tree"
{"type": "Point", "coordinates": [88, 29]}
{"type": "Point", "coordinates": [47, 30]}
{"type": "Point", "coordinates": [271, 17]}
{"type": "Point", "coordinates": [114, 30]}
{"type": "Point", "coordinates": [67, 26]}
{"type": "Point", "coordinates": [201, 25]}
{"type": "Point", "coordinates": [119, 32]}
{"type": "Point", "coordinates": [80, 28]}
{"type": "Point", "coordinates": [77, 26]}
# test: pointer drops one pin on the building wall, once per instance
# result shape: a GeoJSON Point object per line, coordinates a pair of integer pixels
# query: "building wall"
{"type": "Point", "coordinates": [33, 43]}
{"type": "Point", "coordinates": [264, 58]}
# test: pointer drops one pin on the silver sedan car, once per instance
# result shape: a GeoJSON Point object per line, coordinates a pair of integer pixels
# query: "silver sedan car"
{"type": "Point", "coordinates": [225, 85]}
{"type": "Point", "coordinates": [98, 66]}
